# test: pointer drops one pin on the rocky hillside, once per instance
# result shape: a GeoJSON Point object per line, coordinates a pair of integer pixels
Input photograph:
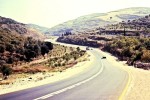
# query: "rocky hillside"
{"type": "Point", "coordinates": [19, 28]}
{"type": "Point", "coordinates": [96, 20]}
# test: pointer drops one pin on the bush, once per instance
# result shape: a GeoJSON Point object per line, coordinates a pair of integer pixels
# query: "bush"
{"type": "Point", "coordinates": [63, 64]}
{"type": "Point", "coordinates": [78, 49]}
{"type": "Point", "coordinates": [59, 64]}
{"type": "Point", "coordinates": [55, 65]}
{"type": "Point", "coordinates": [146, 56]}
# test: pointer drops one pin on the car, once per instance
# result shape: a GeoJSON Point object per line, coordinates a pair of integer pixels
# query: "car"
{"type": "Point", "coordinates": [87, 48]}
{"type": "Point", "coordinates": [103, 57]}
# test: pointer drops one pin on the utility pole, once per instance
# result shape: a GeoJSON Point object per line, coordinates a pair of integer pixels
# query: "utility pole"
{"type": "Point", "coordinates": [124, 29]}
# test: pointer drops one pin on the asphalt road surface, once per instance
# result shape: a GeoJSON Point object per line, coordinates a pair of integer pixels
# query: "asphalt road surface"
{"type": "Point", "coordinates": [102, 81]}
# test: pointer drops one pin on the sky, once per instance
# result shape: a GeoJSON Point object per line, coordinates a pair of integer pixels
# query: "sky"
{"type": "Point", "coordinates": [49, 13]}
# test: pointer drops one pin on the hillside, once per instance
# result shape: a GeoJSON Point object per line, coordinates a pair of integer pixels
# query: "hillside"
{"type": "Point", "coordinates": [136, 27]}
{"type": "Point", "coordinates": [15, 47]}
{"type": "Point", "coordinates": [25, 55]}
{"type": "Point", "coordinates": [129, 41]}
{"type": "Point", "coordinates": [96, 20]}
{"type": "Point", "coordinates": [37, 27]}
{"type": "Point", "coordinates": [20, 28]}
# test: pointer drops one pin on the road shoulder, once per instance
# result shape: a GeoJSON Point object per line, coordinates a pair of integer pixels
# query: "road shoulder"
{"type": "Point", "coordinates": [137, 87]}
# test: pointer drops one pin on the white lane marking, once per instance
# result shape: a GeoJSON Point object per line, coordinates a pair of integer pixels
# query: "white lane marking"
{"type": "Point", "coordinates": [70, 87]}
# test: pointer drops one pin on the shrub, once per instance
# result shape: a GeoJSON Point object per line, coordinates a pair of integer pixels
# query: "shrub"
{"type": "Point", "coordinates": [63, 64]}
{"type": "Point", "coordinates": [59, 64]}
{"type": "Point", "coordinates": [78, 49]}
{"type": "Point", "coordinates": [146, 56]}
{"type": "Point", "coordinates": [55, 65]}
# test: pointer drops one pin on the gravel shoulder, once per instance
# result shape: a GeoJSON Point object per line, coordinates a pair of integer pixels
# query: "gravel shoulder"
{"type": "Point", "coordinates": [139, 87]}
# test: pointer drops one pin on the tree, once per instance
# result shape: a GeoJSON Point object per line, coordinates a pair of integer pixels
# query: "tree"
{"type": "Point", "coordinates": [6, 71]}
{"type": "Point", "coordinates": [110, 18]}
{"type": "Point", "coordinates": [67, 33]}
{"type": "Point", "coordinates": [147, 44]}
{"type": "Point", "coordinates": [49, 45]}
{"type": "Point", "coordinates": [129, 21]}
{"type": "Point", "coordinates": [29, 54]}
{"type": "Point", "coordinates": [124, 30]}
{"type": "Point", "coordinates": [2, 48]}
{"type": "Point", "coordinates": [10, 60]}
{"type": "Point", "coordinates": [44, 49]}
{"type": "Point", "coordinates": [37, 50]}
{"type": "Point", "coordinates": [10, 47]}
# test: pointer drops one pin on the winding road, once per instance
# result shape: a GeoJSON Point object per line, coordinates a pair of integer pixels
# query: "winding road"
{"type": "Point", "coordinates": [102, 81]}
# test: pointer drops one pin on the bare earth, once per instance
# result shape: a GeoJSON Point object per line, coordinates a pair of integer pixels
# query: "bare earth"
{"type": "Point", "coordinates": [139, 87]}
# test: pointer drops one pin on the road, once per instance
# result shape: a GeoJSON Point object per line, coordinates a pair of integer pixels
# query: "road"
{"type": "Point", "coordinates": [102, 81]}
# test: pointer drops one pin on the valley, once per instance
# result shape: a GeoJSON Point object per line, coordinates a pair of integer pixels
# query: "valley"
{"type": "Point", "coordinates": [118, 39]}
{"type": "Point", "coordinates": [97, 56]}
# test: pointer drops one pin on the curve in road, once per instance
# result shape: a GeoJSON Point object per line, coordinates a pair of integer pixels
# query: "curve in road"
{"type": "Point", "coordinates": [102, 81]}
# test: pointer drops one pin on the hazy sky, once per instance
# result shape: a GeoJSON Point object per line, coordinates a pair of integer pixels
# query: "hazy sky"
{"type": "Point", "coordinates": [52, 12]}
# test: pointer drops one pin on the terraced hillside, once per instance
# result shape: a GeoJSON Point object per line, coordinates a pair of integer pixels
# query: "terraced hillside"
{"type": "Point", "coordinates": [137, 27]}
{"type": "Point", "coordinates": [92, 21]}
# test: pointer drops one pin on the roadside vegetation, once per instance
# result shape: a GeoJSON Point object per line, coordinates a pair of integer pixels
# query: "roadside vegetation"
{"type": "Point", "coordinates": [56, 60]}
{"type": "Point", "coordinates": [134, 50]}
{"type": "Point", "coordinates": [62, 57]}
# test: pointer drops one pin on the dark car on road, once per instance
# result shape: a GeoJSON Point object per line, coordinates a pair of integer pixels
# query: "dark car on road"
{"type": "Point", "coordinates": [103, 57]}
